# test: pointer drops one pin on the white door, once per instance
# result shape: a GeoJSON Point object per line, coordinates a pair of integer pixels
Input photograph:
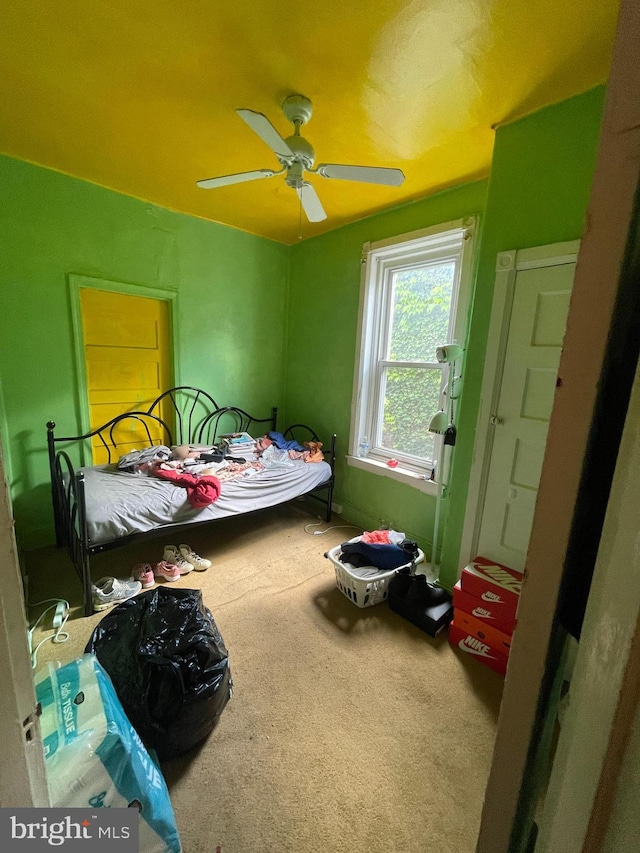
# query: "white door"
{"type": "Point", "coordinates": [534, 327]}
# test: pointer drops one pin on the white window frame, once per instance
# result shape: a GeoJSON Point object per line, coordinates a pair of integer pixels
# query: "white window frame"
{"type": "Point", "coordinates": [379, 261]}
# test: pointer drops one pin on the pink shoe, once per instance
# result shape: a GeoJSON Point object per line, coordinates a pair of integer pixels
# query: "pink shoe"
{"type": "Point", "coordinates": [166, 571]}
{"type": "Point", "coordinates": [144, 573]}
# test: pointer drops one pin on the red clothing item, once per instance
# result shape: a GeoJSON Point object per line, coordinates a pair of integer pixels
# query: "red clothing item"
{"type": "Point", "coordinates": [379, 537]}
{"type": "Point", "coordinates": [201, 491]}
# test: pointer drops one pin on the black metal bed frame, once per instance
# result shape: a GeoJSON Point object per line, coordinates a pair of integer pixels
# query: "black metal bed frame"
{"type": "Point", "coordinates": [197, 418]}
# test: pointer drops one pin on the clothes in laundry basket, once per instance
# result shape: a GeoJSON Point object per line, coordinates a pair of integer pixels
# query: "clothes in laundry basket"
{"type": "Point", "coordinates": [382, 556]}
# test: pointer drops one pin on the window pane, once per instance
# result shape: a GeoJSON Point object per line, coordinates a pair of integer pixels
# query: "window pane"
{"type": "Point", "coordinates": [421, 301]}
{"type": "Point", "coordinates": [411, 398]}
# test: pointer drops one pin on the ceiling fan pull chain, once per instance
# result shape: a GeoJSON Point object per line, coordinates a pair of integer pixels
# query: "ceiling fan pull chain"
{"type": "Point", "coordinates": [299, 216]}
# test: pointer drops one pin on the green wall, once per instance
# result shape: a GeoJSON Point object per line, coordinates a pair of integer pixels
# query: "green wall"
{"type": "Point", "coordinates": [537, 194]}
{"type": "Point", "coordinates": [323, 299]}
{"type": "Point", "coordinates": [259, 323]}
{"type": "Point", "coordinates": [230, 312]}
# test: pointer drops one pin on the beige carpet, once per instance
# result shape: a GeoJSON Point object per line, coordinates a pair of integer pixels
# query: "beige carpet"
{"type": "Point", "coordinates": [349, 730]}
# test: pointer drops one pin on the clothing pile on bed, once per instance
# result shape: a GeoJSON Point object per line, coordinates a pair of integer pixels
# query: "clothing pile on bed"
{"type": "Point", "coordinates": [310, 451]}
{"type": "Point", "coordinates": [202, 469]}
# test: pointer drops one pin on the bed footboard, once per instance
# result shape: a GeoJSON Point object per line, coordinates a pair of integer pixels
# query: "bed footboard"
{"type": "Point", "coordinates": [68, 485]}
{"type": "Point", "coordinates": [302, 433]}
{"type": "Point", "coordinates": [67, 492]}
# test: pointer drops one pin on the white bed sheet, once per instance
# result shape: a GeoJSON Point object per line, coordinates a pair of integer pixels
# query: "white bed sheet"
{"type": "Point", "coordinates": [119, 503]}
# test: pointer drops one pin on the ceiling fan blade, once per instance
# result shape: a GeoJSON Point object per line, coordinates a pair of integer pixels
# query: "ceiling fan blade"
{"type": "Point", "coordinates": [238, 178]}
{"type": "Point", "coordinates": [366, 174]}
{"type": "Point", "coordinates": [311, 203]}
{"type": "Point", "coordinates": [261, 125]}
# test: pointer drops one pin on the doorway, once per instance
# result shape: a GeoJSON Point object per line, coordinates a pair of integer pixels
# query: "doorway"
{"type": "Point", "coordinates": [124, 353]}
{"type": "Point", "coordinates": [531, 301]}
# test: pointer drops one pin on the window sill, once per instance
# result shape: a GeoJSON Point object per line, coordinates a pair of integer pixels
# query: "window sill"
{"type": "Point", "coordinates": [403, 475]}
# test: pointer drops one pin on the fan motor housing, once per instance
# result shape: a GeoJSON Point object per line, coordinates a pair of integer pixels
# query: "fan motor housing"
{"type": "Point", "coordinates": [302, 150]}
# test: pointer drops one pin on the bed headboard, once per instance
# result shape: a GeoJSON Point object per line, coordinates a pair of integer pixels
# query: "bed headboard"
{"type": "Point", "coordinates": [186, 409]}
{"type": "Point", "coordinates": [232, 419]}
{"type": "Point", "coordinates": [181, 415]}
{"type": "Point", "coordinates": [196, 418]}
{"type": "Point", "coordinates": [111, 440]}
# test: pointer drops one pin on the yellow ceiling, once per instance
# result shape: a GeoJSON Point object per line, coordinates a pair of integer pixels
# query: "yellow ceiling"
{"type": "Point", "coordinates": [140, 95]}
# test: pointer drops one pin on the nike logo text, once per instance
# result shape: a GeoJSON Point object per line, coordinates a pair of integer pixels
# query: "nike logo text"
{"type": "Point", "coordinates": [491, 596]}
{"type": "Point", "coordinates": [475, 647]}
{"type": "Point", "coordinates": [500, 577]}
{"type": "Point", "coordinates": [481, 613]}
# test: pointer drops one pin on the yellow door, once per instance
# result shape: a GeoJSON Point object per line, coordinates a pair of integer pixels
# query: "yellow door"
{"type": "Point", "coordinates": [127, 359]}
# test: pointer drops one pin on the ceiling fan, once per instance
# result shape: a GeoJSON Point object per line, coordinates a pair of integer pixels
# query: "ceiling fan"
{"type": "Point", "coordinates": [297, 156]}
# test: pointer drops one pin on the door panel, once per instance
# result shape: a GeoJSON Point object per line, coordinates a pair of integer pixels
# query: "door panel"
{"type": "Point", "coordinates": [127, 358]}
{"type": "Point", "coordinates": [534, 342]}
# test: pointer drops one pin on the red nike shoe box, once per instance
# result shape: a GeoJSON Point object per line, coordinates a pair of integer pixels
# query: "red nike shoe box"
{"type": "Point", "coordinates": [483, 651]}
{"type": "Point", "coordinates": [494, 584]}
{"type": "Point", "coordinates": [498, 640]}
{"type": "Point", "coordinates": [484, 611]}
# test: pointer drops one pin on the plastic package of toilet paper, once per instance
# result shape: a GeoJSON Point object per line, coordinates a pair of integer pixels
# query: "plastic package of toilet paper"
{"type": "Point", "coordinates": [94, 758]}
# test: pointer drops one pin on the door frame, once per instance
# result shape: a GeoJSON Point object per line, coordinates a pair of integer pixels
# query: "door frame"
{"type": "Point", "coordinates": [508, 265]}
{"type": "Point", "coordinates": [23, 780]}
{"type": "Point", "coordinates": [76, 282]}
{"type": "Point", "coordinates": [600, 352]}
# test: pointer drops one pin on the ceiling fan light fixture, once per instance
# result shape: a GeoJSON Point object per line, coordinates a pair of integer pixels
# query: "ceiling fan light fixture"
{"type": "Point", "coordinates": [295, 176]}
{"type": "Point", "coordinates": [297, 156]}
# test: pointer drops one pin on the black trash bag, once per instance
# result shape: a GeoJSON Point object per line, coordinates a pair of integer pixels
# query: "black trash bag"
{"type": "Point", "coordinates": [169, 667]}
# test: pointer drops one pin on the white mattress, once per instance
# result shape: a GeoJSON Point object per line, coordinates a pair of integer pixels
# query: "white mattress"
{"type": "Point", "coordinates": [119, 504]}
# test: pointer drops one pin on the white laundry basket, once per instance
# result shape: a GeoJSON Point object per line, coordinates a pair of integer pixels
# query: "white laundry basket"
{"type": "Point", "coordinates": [364, 586]}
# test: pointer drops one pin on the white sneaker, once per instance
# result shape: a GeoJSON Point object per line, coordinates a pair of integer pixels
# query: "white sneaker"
{"type": "Point", "coordinates": [197, 562]}
{"type": "Point", "coordinates": [109, 591]}
{"type": "Point", "coordinates": [173, 556]}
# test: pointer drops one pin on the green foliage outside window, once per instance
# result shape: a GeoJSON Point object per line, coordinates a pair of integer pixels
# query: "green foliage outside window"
{"type": "Point", "coordinates": [421, 303]}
